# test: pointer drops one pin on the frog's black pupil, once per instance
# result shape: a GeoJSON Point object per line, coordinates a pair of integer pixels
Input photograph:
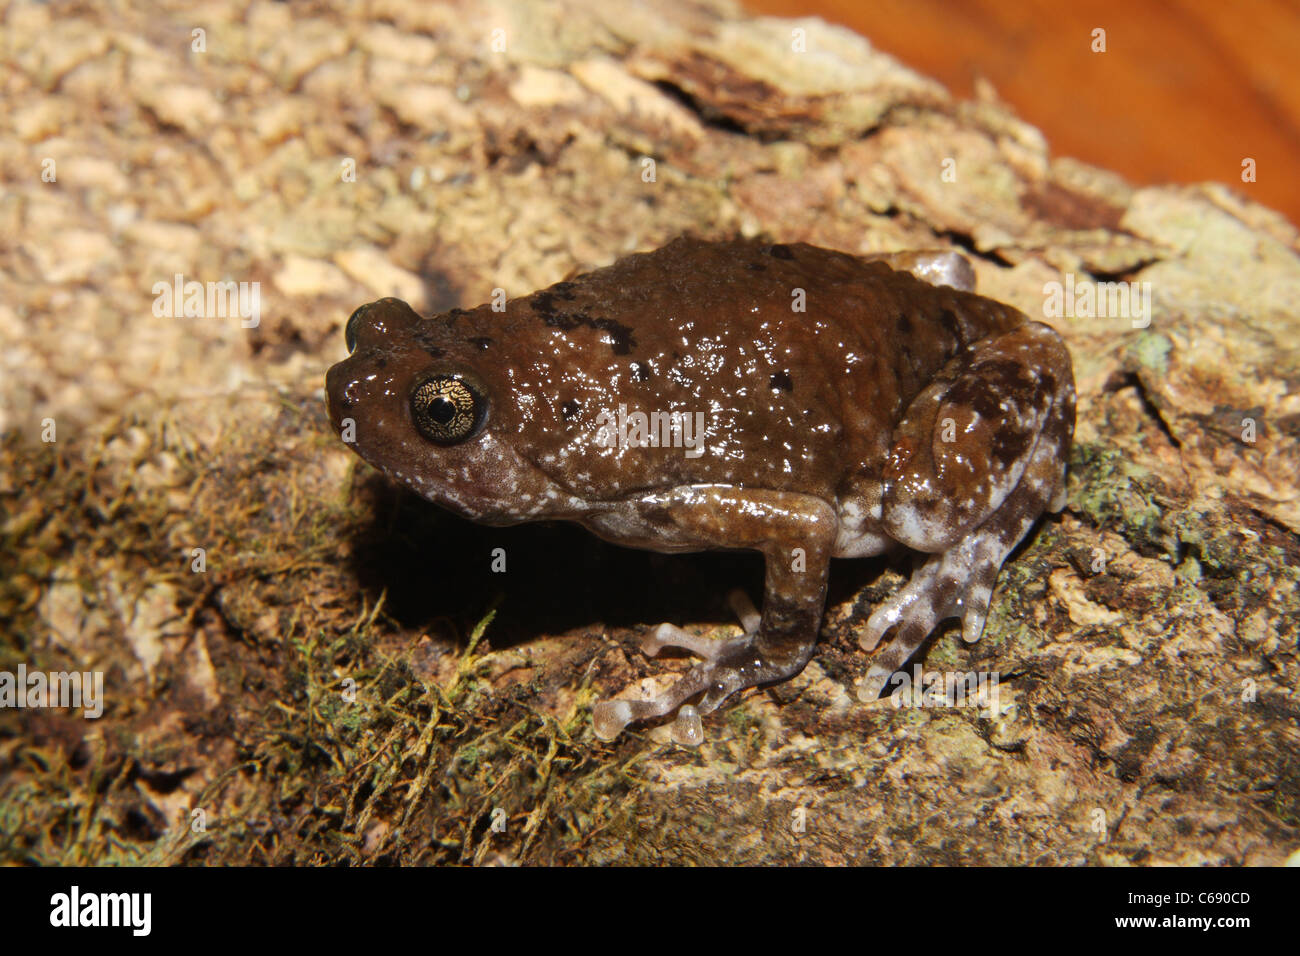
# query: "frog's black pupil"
{"type": "Point", "coordinates": [442, 410]}
{"type": "Point", "coordinates": [447, 410]}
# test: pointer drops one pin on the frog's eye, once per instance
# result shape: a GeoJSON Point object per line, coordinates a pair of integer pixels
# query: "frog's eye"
{"type": "Point", "coordinates": [448, 408]}
{"type": "Point", "coordinates": [350, 330]}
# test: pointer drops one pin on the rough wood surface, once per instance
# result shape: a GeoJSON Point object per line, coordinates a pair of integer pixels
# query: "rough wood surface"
{"type": "Point", "coordinates": [1146, 640]}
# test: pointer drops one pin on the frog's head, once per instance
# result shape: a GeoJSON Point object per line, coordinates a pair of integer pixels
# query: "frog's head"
{"type": "Point", "coordinates": [413, 399]}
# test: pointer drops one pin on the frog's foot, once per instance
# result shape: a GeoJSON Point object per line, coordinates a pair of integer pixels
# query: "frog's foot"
{"type": "Point", "coordinates": [777, 643]}
{"type": "Point", "coordinates": [734, 669]}
{"type": "Point", "coordinates": [609, 717]}
{"type": "Point", "coordinates": [722, 673]}
{"type": "Point", "coordinates": [958, 583]}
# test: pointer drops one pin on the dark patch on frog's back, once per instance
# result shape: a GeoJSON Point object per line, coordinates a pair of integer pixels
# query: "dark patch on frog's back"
{"type": "Point", "coordinates": [631, 301]}
{"type": "Point", "coordinates": [543, 302]}
{"type": "Point", "coordinates": [781, 381]}
{"type": "Point", "coordinates": [660, 516]}
{"type": "Point", "coordinates": [545, 307]}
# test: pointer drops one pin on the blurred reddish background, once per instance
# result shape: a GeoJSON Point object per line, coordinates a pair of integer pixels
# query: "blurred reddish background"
{"type": "Point", "coordinates": [1185, 91]}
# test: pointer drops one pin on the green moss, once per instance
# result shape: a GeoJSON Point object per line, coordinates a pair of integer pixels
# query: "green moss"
{"type": "Point", "coordinates": [405, 771]}
{"type": "Point", "coordinates": [1151, 350]}
{"type": "Point", "coordinates": [1113, 493]}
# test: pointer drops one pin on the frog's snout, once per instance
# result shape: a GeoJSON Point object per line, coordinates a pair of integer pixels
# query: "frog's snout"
{"type": "Point", "coordinates": [336, 404]}
{"type": "Point", "coordinates": [367, 330]}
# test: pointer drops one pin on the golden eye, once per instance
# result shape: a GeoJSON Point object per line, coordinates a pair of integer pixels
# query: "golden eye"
{"type": "Point", "coordinates": [447, 409]}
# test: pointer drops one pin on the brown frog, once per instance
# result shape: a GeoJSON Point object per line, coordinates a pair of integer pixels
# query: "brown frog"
{"type": "Point", "coordinates": [801, 402]}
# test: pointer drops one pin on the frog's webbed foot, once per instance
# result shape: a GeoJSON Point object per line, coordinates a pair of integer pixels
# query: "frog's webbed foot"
{"type": "Point", "coordinates": [969, 500]}
{"type": "Point", "coordinates": [728, 666]}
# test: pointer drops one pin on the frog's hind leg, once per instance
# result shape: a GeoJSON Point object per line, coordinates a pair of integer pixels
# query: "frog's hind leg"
{"type": "Point", "coordinates": [978, 457]}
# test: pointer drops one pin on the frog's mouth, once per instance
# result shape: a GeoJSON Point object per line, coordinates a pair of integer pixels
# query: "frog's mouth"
{"type": "Point", "coordinates": [329, 405]}
{"type": "Point", "coordinates": [356, 407]}
{"type": "Point", "coordinates": [334, 379]}
{"type": "Point", "coordinates": [354, 390]}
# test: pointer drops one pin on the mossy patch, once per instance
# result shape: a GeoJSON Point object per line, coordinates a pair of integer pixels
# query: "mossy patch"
{"type": "Point", "coordinates": [317, 740]}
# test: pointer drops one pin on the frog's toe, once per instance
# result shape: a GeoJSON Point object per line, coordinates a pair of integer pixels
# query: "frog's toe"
{"type": "Point", "coordinates": [609, 717]}
{"type": "Point", "coordinates": [873, 683]}
{"type": "Point", "coordinates": [910, 606]}
{"type": "Point", "coordinates": [911, 635]}
{"type": "Point", "coordinates": [958, 583]}
{"type": "Point", "coordinates": [706, 648]}
{"type": "Point", "coordinates": [670, 635]}
{"type": "Point", "coordinates": [688, 729]}
{"type": "Point", "coordinates": [745, 610]}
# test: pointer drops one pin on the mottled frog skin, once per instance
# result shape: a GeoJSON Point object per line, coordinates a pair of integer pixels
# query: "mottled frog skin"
{"type": "Point", "coordinates": [887, 411]}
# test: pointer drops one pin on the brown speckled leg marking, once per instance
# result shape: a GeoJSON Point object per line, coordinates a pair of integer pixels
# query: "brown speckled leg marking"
{"type": "Point", "coordinates": [970, 501]}
{"type": "Point", "coordinates": [775, 523]}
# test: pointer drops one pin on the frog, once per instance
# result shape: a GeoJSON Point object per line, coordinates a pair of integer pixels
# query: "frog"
{"type": "Point", "coordinates": [741, 394]}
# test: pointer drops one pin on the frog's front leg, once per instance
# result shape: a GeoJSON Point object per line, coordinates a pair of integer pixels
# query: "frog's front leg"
{"type": "Point", "coordinates": [795, 534]}
{"type": "Point", "coordinates": [979, 455]}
